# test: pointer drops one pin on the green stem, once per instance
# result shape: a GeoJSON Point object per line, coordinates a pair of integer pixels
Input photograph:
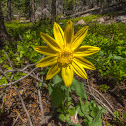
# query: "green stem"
{"type": "Point", "coordinates": [67, 99]}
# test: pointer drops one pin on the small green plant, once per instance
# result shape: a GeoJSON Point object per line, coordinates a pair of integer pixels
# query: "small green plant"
{"type": "Point", "coordinates": [118, 121]}
{"type": "Point", "coordinates": [104, 87]}
{"type": "Point", "coordinates": [89, 111]}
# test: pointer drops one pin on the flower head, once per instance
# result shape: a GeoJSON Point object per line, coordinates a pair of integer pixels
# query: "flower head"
{"type": "Point", "coordinates": [65, 54]}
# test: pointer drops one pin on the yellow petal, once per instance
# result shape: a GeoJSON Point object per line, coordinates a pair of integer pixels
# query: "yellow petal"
{"type": "Point", "coordinates": [51, 42]}
{"type": "Point", "coordinates": [47, 61]}
{"type": "Point", "coordinates": [86, 51]}
{"type": "Point", "coordinates": [69, 33]}
{"type": "Point", "coordinates": [58, 34]}
{"type": "Point", "coordinates": [67, 75]}
{"type": "Point", "coordinates": [45, 50]}
{"type": "Point", "coordinates": [52, 71]}
{"type": "Point", "coordinates": [79, 70]}
{"type": "Point", "coordinates": [85, 63]}
{"type": "Point", "coordinates": [79, 37]}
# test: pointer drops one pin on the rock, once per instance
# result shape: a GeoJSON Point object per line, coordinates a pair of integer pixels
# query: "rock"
{"type": "Point", "coordinates": [101, 20]}
{"type": "Point", "coordinates": [81, 22]}
{"type": "Point", "coordinates": [121, 19]}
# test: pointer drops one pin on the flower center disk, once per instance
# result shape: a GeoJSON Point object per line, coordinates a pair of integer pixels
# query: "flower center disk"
{"type": "Point", "coordinates": [65, 57]}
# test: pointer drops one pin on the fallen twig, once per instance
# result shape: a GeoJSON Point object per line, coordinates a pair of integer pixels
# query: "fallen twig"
{"type": "Point", "coordinates": [100, 95]}
{"type": "Point", "coordinates": [40, 102]}
{"type": "Point", "coordinates": [28, 74]}
{"type": "Point", "coordinates": [99, 101]}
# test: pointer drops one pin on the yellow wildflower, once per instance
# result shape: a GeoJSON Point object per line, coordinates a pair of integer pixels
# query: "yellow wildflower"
{"type": "Point", "coordinates": [65, 54]}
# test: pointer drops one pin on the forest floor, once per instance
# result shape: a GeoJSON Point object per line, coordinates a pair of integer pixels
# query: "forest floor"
{"type": "Point", "coordinates": [13, 113]}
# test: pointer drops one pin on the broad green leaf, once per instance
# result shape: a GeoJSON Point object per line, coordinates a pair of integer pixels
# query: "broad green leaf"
{"type": "Point", "coordinates": [85, 108]}
{"type": "Point", "coordinates": [57, 95]}
{"type": "Point", "coordinates": [57, 79]}
{"type": "Point", "coordinates": [94, 111]}
{"type": "Point", "coordinates": [79, 88]}
{"type": "Point", "coordinates": [97, 121]}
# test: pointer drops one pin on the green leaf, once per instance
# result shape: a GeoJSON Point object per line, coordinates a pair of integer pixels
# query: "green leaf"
{"type": "Point", "coordinates": [16, 77]}
{"type": "Point", "coordinates": [57, 95]}
{"type": "Point", "coordinates": [124, 115]}
{"type": "Point", "coordinates": [79, 88]}
{"type": "Point", "coordinates": [62, 117]}
{"type": "Point", "coordinates": [116, 113]}
{"type": "Point", "coordinates": [101, 53]}
{"type": "Point", "coordinates": [94, 111]}
{"type": "Point", "coordinates": [3, 81]}
{"type": "Point", "coordinates": [1, 61]}
{"type": "Point", "coordinates": [68, 119]}
{"type": "Point", "coordinates": [7, 67]}
{"type": "Point", "coordinates": [24, 74]}
{"type": "Point", "coordinates": [9, 74]}
{"type": "Point", "coordinates": [59, 110]}
{"type": "Point", "coordinates": [85, 108]}
{"type": "Point", "coordinates": [18, 58]}
{"type": "Point", "coordinates": [57, 79]}
{"type": "Point", "coordinates": [71, 111]}
{"type": "Point", "coordinates": [50, 88]}
{"type": "Point", "coordinates": [6, 81]}
{"type": "Point", "coordinates": [117, 57]}
{"type": "Point", "coordinates": [40, 84]}
{"type": "Point", "coordinates": [97, 121]}
{"type": "Point", "coordinates": [89, 118]}
{"type": "Point", "coordinates": [78, 110]}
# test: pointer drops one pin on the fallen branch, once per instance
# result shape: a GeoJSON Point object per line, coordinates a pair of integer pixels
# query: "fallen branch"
{"type": "Point", "coordinates": [12, 83]}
